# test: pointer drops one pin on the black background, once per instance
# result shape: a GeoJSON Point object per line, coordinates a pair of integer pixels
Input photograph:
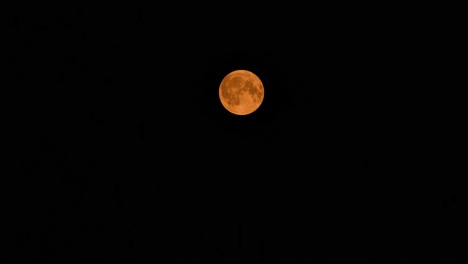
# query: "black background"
{"type": "Point", "coordinates": [122, 150]}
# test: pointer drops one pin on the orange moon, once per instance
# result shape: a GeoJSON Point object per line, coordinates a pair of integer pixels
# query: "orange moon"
{"type": "Point", "coordinates": [241, 92]}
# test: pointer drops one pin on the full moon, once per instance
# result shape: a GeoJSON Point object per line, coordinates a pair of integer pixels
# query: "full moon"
{"type": "Point", "coordinates": [241, 92]}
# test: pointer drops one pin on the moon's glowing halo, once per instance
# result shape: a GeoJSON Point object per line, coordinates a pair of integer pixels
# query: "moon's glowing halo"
{"type": "Point", "coordinates": [241, 92]}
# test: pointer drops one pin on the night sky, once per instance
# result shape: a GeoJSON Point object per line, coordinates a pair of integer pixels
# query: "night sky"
{"type": "Point", "coordinates": [123, 150]}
